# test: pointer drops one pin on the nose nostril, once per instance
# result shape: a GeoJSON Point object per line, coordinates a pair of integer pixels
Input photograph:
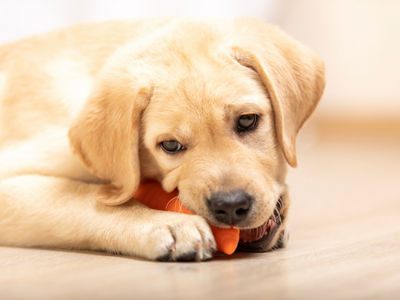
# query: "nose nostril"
{"type": "Point", "coordinates": [241, 212]}
{"type": "Point", "coordinates": [230, 208]}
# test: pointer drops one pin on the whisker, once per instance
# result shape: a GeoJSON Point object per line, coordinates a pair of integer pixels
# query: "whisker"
{"type": "Point", "coordinates": [273, 216]}
{"type": "Point", "coordinates": [278, 209]}
{"type": "Point", "coordinates": [278, 216]}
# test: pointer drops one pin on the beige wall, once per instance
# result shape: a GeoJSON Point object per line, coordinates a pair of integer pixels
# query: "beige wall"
{"type": "Point", "coordinates": [20, 18]}
{"type": "Point", "coordinates": [358, 39]}
{"type": "Point", "coordinates": [360, 43]}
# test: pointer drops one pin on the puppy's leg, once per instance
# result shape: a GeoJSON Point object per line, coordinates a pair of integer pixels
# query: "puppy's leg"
{"type": "Point", "coordinates": [57, 212]}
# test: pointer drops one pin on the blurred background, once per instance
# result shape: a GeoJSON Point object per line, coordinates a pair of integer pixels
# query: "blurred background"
{"type": "Point", "coordinates": [358, 39]}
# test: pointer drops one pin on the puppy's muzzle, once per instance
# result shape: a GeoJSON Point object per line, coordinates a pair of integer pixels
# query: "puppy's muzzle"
{"type": "Point", "coordinates": [230, 207]}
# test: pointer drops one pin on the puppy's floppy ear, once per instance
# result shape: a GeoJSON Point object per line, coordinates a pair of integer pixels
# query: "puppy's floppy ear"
{"type": "Point", "coordinates": [105, 134]}
{"type": "Point", "coordinates": [292, 74]}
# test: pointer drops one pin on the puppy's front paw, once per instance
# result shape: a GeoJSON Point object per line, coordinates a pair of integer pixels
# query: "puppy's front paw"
{"type": "Point", "coordinates": [179, 237]}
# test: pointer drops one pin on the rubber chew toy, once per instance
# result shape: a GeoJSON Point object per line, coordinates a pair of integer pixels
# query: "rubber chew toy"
{"type": "Point", "coordinates": [151, 194]}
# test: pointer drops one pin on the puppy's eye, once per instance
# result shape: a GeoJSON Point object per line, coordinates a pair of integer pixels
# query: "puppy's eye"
{"type": "Point", "coordinates": [172, 146]}
{"type": "Point", "coordinates": [247, 122]}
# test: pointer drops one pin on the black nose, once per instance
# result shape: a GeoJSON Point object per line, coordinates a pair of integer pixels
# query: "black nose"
{"type": "Point", "coordinates": [230, 208]}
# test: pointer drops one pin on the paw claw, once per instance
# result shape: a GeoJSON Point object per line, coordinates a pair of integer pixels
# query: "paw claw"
{"type": "Point", "coordinates": [165, 257]}
{"type": "Point", "coordinates": [188, 256]}
{"type": "Point", "coordinates": [172, 248]}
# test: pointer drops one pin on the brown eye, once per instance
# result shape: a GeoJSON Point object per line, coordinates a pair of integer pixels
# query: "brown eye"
{"type": "Point", "coordinates": [247, 122]}
{"type": "Point", "coordinates": [172, 146]}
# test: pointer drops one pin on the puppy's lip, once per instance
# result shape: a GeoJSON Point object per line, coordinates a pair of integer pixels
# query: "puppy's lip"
{"type": "Point", "coordinates": [259, 239]}
{"type": "Point", "coordinates": [255, 234]}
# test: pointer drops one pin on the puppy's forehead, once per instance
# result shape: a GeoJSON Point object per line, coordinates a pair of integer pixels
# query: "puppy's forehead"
{"type": "Point", "coordinates": [191, 106]}
{"type": "Point", "coordinates": [211, 86]}
{"type": "Point", "coordinates": [208, 93]}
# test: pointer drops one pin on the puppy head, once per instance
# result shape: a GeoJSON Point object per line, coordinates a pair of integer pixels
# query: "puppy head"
{"type": "Point", "coordinates": [223, 120]}
{"type": "Point", "coordinates": [227, 101]}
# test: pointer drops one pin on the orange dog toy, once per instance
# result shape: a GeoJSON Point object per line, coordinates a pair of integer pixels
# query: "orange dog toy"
{"type": "Point", "coordinates": [151, 194]}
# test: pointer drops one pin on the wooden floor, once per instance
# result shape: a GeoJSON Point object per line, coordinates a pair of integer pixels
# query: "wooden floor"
{"type": "Point", "coordinates": [344, 244]}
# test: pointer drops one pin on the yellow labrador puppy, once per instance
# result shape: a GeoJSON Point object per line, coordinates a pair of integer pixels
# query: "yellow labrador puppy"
{"type": "Point", "coordinates": [209, 107]}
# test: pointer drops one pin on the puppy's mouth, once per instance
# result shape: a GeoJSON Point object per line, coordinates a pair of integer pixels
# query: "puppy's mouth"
{"type": "Point", "coordinates": [260, 239]}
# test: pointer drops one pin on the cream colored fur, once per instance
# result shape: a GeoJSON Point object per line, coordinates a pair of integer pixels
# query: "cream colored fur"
{"type": "Point", "coordinates": [83, 110]}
